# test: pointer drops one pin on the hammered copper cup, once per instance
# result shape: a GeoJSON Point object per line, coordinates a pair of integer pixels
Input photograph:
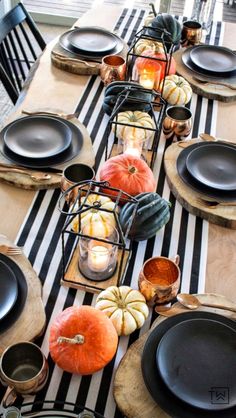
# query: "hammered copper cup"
{"type": "Point", "coordinates": [73, 174]}
{"type": "Point", "coordinates": [191, 33]}
{"type": "Point", "coordinates": [177, 123]}
{"type": "Point", "coordinates": [113, 68]}
{"type": "Point", "coordinates": [24, 369]}
{"type": "Point", "coordinates": [159, 280]}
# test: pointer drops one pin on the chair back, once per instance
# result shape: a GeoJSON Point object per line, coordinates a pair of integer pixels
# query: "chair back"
{"type": "Point", "coordinates": [20, 44]}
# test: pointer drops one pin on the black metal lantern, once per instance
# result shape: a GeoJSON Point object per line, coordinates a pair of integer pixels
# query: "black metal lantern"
{"type": "Point", "coordinates": [101, 248]}
{"type": "Point", "coordinates": [152, 67]}
{"type": "Point", "coordinates": [143, 142]}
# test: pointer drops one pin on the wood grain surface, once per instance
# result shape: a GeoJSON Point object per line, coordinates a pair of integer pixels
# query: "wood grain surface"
{"type": "Point", "coordinates": [209, 91]}
{"type": "Point", "coordinates": [130, 392]}
{"type": "Point", "coordinates": [31, 322]}
{"type": "Point", "coordinates": [189, 198]}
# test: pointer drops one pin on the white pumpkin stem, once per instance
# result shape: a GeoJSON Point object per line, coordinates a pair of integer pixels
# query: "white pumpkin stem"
{"type": "Point", "coordinates": [78, 339]}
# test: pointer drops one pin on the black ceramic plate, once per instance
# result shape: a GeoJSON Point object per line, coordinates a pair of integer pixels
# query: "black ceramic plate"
{"type": "Point", "coordinates": [65, 43]}
{"type": "Point", "coordinates": [67, 155]}
{"type": "Point", "coordinates": [92, 40]}
{"type": "Point", "coordinates": [8, 289]}
{"type": "Point", "coordinates": [195, 356]}
{"type": "Point", "coordinates": [154, 383]}
{"type": "Point", "coordinates": [212, 74]}
{"type": "Point", "coordinates": [37, 137]}
{"type": "Point", "coordinates": [16, 310]}
{"type": "Point", "coordinates": [214, 166]}
{"type": "Point", "coordinates": [213, 58]}
{"type": "Point", "coordinates": [219, 195]}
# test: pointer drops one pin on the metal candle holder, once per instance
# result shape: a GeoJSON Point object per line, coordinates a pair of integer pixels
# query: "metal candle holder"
{"type": "Point", "coordinates": [153, 104]}
{"type": "Point", "coordinates": [80, 206]}
{"type": "Point", "coordinates": [155, 35]}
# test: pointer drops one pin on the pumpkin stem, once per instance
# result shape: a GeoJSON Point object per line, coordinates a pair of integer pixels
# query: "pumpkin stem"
{"type": "Point", "coordinates": [132, 169]}
{"type": "Point", "coordinates": [78, 339]}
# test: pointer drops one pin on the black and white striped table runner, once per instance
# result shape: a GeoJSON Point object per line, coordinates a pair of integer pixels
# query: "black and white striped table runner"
{"type": "Point", "coordinates": [185, 235]}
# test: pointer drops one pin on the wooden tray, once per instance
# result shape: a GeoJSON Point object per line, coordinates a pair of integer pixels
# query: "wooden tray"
{"type": "Point", "coordinates": [209, 91]}
{"type": "Point", "coordinates": [189, 198]}
{"type": "Point", "coordinates": [77, 67]}
{"type": "Point", "coordinates": [32, 320]}
{"type": "Point", "coordinates": [130, 392]}
{"type": "Point", "coordinates": [85, 156]}
{"type": "Point", "coordinates": [73, 277]}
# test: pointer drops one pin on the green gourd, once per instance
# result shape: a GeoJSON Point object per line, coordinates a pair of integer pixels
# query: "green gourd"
{"type": "Point", "coordinates": [169, 25]}
{"type": "Point", "coordinates": [152, 214]}
{"type": "Point", "coordinates": [116, 87]}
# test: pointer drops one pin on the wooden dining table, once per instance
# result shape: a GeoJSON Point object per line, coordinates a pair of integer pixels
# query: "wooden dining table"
{"type": "Point", "coordinates": [31, 219]}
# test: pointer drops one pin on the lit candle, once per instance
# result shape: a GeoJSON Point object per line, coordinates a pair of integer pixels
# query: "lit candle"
{"type": "Point", "coordinates": [98, 258]}
{"type": "Point", "coordinates": [133, 147]}
{"type": "Point", "coordinates": [133, 151]}
{"type": "Point", "coordinates": [147, 79]}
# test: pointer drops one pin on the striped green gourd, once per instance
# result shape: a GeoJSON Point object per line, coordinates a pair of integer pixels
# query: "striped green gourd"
{"type": "Point", "coordinates": [152, 214]}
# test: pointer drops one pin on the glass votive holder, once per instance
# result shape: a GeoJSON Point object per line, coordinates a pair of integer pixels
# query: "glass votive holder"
{"type": "Point", "coordinates": [98, 259]}
{"type": "Point", "coordinates": [137, 147]}
{"type": "Point", "coordinates": [150, 75]}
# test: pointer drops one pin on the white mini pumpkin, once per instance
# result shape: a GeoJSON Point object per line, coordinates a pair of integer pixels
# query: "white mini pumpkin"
{"type": "Point", "coordinates": [126, 308]}
{"type": "Point", "coordinates": [140, 120]}
{"type": "Point", "coordinates": [98, 222]}
{"type": "Point", "coordinates": [176, 90]}
{"type": "Point", "coordinates": [148, 44]}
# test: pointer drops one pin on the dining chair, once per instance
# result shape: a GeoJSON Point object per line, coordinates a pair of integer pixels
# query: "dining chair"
{"type": "Point", "coordinates": [20, 44]}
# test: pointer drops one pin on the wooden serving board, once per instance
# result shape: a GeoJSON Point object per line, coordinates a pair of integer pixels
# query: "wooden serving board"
{"type": "Point", "coordinates": [85, 156]}
{"type": "Point", "coordinates": [130, 392]}
{"type": "Point", "coordinates": [189, 198]}
{"type": "Point", "coordinates": [75, 279]}
{"type": "Point", "coordinates": [32, 320]}
{"type": "Point", "coordinates": [68, 61]}
{"type": "Point", "coordinates": [209, 91]}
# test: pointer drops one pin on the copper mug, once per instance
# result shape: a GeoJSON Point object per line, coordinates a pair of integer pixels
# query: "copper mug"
{"type": "Point", "coordinates": [191, 33]}
{"type": "Point", "coordinates": [24, 369]}
{"type": "Point", "coordinates": [73, 174]}
{"type": "Point", "coordinates": [177, 123]}
{"type": "Point", "coordinates": [159, 280]}
{"type": "Point", "coordinates": [113, 68]}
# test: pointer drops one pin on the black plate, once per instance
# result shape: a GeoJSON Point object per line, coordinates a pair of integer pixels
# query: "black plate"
{"type": "Point", "coordinates": [196, 355]}
{"type": "Point", "coordinates": [154, 383]}
{"type": "Point", "coordinates": [16, 310]}
{"type": "Point", "coordinates": [37, 137]}
{"type": "Point", "coordinates": [92, 41]}
{"type": "Point", "coordinates": [214, 166]}
{"type": "Point", "coordinates": [219, 195]}
{"type": "Point", "coordinates": [8, 289]}
{"type": "Point", "coordinates": [65, 43]}
{"type": "Point", "coordinates": [67, 155]}
{"type": "Point", "coordinates": [212, 74]}
{"type": "Point", "coordinates": [211, 58]}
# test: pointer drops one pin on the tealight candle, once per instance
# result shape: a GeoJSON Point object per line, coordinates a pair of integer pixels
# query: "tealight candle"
{"type": "Point", "coordinates": [98, 258]}
{"type": "Point", "coordinates": [147, 79]}
{"type": "Point", "coordinates": [98, 253]}
{"type": "Point", "coordinates": [133, 147]}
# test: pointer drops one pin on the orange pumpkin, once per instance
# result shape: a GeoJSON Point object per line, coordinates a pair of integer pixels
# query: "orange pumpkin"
{"type": "Point", "coordinates": [128, 173]}
{"type": "Point", "coordinates": [82, 340]}
{"type": "Point", "coordinates": [144, 63]}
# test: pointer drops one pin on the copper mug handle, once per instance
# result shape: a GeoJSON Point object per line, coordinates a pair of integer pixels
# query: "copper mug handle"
{"type": "Point", "coordinates": [10, 393]}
